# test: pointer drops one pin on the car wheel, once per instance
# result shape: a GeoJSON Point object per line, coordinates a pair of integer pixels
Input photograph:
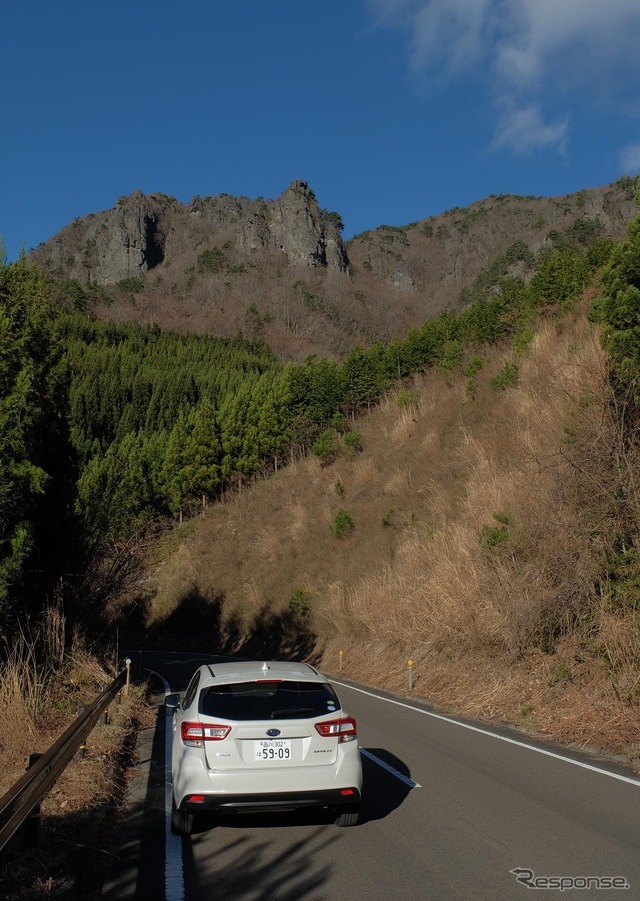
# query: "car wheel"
{"type": "Point", "coordinates": [182, 822]}
{"type": "Point", "coordinates": [348, 817]}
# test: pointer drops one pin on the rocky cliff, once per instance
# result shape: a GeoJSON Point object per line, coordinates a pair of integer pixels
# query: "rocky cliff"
{"type": "Point", "coordinates": [141, 231]}
{"type": "Point", "coordinates": [278, 270]}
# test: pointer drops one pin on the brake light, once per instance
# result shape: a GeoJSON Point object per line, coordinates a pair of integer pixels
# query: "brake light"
{"type": "Point", "coordinates": [344, 729]}
{"type": "Point", "coordinates": [194, 735]}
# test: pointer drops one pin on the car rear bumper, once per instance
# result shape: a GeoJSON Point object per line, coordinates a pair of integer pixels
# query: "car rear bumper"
{"type": "Point", "coordinates": [273, 801]}
{"type": "Point", "coordinates": [191, 776]}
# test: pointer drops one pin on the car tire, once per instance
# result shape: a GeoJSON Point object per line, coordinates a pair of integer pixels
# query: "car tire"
{"type": "Point", "coordinates": [347, 817]}
{"type": "Point", "coordinates": [182, 822]}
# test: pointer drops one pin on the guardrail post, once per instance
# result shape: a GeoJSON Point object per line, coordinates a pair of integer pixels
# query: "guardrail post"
{"type": "Point", "coordinates": [82, 750]}
{"type": "Point", "coordinates": [127, 663]}
{"type": "Point", "coordinates": [31, 828]}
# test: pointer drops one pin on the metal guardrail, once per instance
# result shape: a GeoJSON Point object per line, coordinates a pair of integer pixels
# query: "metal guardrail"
{"type": "Point", "coordinates": [25, 796]}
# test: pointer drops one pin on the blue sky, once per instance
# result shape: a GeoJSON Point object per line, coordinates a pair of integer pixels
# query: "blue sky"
{"type": "Point", "coordinates": [392, 110]}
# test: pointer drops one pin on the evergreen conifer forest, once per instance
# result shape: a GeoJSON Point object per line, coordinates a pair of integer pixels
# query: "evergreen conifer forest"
{"type": "Point", "coordinates": [106, 429]}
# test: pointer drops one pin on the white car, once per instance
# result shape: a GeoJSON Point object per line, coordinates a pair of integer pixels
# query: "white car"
{"type": "Point", "coordinates": [253, 737]}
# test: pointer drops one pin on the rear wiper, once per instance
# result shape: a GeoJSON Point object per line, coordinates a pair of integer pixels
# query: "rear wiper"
{"type": "Point", "coordinates": [290, 711]}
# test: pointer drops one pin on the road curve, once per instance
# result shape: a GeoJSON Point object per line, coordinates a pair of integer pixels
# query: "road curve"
{"type": "Point", "coordinates": [451, 809]}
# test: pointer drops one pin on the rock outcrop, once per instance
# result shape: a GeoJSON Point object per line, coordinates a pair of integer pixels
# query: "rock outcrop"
{"type": "Point", "coordinates": [105, 248]}
{"type": "Point", "coordinates": [142, 230]}
{"type": "Point", "coordinates": [298, 229]}
{"type": "Point", "coordinates": [278, 271]}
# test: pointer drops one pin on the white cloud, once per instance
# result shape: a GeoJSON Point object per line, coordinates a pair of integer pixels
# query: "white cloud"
{"type": "Point", "coordinates": [536, 53]}
{"type": "Point", "coordinates": [449, 33]}
{"type": "Point", "coordinates": [630, 159]}
{"type": "Point", "coordinates": [445, 36]}
{"type": "Point", "coordinates": [525, 130]}
{"type": "Point", "coordinates": [578, 41]}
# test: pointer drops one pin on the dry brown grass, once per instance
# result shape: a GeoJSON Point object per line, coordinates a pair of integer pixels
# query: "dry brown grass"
{"type": "Point", "coordinates": [562, 696]}
{"type": "Point", "coordinates": [28, 673]}
{"type": "Point", "coordinates": [443, 584]}
{"type": "Point", "coordinates": [419, 574]}
{"type": "Point", "coordinates": [38, 701]}
{"type": "Point", "coordinates": [619, 638]}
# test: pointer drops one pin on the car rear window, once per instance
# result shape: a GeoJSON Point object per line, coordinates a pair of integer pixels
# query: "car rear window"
{"type": "Point", "coordinates": [268, 700]}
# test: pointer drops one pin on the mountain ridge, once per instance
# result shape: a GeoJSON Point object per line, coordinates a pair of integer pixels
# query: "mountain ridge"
{"type": "Point", "coordinates": [279, 270]}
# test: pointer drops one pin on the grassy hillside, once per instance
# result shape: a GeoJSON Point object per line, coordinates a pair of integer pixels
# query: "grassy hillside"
{"type": "Point", "coordinates": [482, 520]}
{"type": "Point", "coordinates": [478, 522]}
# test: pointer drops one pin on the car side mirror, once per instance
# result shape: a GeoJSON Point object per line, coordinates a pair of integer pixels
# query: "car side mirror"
{"type": "Point", "coordinates": [172, 701]}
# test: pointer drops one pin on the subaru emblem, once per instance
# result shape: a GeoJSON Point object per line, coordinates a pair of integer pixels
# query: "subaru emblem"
{"type": "Point", "coordinates": [273, 732]}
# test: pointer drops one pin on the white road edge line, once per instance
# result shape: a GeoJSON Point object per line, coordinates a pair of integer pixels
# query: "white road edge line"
{"type": "Point", "coordinates": [511, 741]}
{"type": "Point", "coordinates": [174, 889]}
{"type": "Point", "coordinates": [390, 769]}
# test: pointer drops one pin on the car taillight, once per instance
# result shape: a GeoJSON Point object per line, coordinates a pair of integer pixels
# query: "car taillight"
{"type": "Point", "coordinates": [344, 729]}
{"type": "Point", "coordinates": [194, 735]}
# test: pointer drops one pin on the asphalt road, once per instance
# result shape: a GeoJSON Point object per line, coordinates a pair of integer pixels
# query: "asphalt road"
{"type": "Point", "coordinates": [450, 809]}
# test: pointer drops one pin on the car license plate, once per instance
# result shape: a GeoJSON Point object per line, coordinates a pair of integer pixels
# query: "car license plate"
{"type": "Point", "coordinates": [273, 749]}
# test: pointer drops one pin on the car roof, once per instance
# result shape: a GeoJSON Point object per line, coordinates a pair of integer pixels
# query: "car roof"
{"type": "Point", "coordinates": [252, 670]}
